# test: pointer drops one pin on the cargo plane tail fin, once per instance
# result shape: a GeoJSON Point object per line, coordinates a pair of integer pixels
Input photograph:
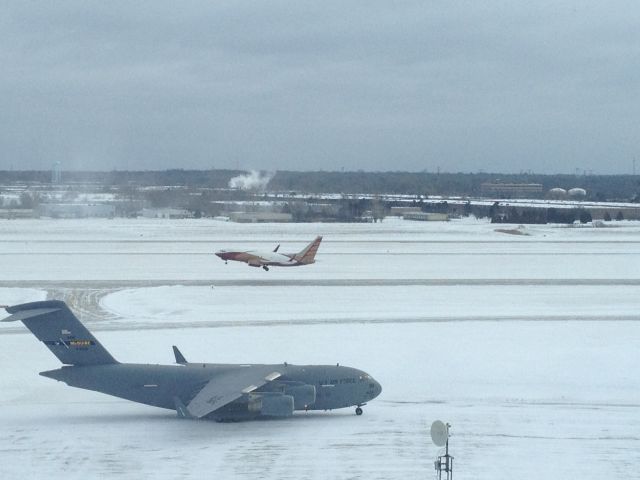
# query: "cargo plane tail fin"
{"type": "Point", "coordinates": [179, 357]}
{"type": "Point", "coordinates": [57, 327]}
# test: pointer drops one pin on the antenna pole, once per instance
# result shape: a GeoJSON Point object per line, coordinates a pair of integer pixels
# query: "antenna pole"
{"type": "Point", "coordinates": [444, 463]}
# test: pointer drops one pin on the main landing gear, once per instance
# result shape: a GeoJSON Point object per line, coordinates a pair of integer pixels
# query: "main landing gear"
{"type": "Point", "coordinates": [266, 269]}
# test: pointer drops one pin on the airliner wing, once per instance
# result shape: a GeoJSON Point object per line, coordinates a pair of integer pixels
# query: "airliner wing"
{"type": "Point", "coordinates": [255, 259]}
{"type": "Point", "coordinates": [225, 388]}
{"type": "Point", "coordinates": [268, 258]}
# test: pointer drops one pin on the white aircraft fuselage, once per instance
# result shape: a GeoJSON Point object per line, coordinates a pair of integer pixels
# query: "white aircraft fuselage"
{"type": "Point", "coordinates": [255, 258]}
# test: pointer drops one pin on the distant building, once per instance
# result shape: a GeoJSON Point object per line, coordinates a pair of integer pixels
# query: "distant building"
{"type": "Point", "coordinates": [511, 190]}
{"type": "Point", "coordinates": [260, 217]}
{"type": "Point", "coordinates": [402, 211]}
{"type": "Point", "coordinates": [613, 211]}
{"type": "Point", "coordinates": [76, 210]}
{"type": "Point", "coordinates": [13, 213]}
{"type": "Point", "coordinates": [426, 216]}
{"type": "Point", "coordinates": [557, 193]}
{"type": "Point", "coordinates": [174, 213]}
{"type": "Point", "coordinates": [577, 193]}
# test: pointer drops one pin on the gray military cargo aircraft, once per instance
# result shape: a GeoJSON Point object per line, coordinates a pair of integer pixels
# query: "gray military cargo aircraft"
{"type": "Point", "coordinates": [220, 392]}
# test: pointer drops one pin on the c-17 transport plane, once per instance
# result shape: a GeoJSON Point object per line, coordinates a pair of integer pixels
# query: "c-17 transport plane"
{"type": "Point", "coordinates": [222, 392]}
{"type": "Point", "coordinates": [254, 258]}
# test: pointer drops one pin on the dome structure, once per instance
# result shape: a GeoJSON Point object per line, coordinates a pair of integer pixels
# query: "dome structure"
{"type": "Point", "coordinates": [557, 193]}
{"type": "Point", "coordinates": [577, 193]}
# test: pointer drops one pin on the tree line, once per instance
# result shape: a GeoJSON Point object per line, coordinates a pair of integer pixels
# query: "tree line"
{"type": "Point", "coordinates": [598, 187]}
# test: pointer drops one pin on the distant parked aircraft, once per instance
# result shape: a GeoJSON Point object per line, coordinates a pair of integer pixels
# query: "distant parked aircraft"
{"type": "Point", "coordinates": [220, 392]}
{"type": "Point", "coordinates": [254, 258]}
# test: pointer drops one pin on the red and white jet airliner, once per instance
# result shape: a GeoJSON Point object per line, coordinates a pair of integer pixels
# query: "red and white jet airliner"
{"type": "Point", "coordinates": [254, 258]}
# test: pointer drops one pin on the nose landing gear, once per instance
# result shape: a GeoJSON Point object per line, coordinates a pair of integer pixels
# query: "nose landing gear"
{"type": "Point", "coordinates": [358, 411]}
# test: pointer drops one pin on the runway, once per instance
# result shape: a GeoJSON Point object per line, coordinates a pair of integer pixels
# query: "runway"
{"type": "Point", "coordinates": [86, 299]}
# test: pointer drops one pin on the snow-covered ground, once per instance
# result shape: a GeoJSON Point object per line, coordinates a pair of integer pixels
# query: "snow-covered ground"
{"type": "Point", "coordinates": [527, 345]}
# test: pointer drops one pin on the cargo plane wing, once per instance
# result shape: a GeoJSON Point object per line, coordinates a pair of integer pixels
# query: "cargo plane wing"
{"type": "Point", "coordinates": [254, 258]}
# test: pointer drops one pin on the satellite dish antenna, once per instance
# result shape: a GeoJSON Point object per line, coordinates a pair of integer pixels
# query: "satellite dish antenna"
{"type": "Point", "coordinates": [440, 436]}
{"type": "Point", "coordinates": [439, 433]}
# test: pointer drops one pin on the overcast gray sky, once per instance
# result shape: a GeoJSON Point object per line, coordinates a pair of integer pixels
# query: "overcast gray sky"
{"type": "Point", "coordinates": [501, 86]}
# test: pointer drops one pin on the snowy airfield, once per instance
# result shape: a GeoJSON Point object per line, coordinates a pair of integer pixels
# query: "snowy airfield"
{"type": "Point", "coordinates": [526, 344]}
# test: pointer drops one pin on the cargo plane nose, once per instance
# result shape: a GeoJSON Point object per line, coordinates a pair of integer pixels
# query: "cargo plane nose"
{"type": "Point", "coordinates": [376, 390]}
{"type": "Point", "coordinates": [371, 388]}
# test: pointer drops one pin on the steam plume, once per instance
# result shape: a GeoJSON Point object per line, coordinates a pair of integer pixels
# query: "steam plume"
{"type": "Point", "coordinates": [254, 180]}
